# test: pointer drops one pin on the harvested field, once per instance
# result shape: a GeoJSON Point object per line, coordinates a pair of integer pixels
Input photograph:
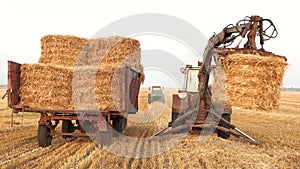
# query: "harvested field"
{"type": "Point", "coordinates": [278, 131]}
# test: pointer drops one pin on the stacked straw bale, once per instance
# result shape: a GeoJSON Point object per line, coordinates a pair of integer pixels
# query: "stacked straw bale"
{"type": "Point", "coordinates": [46, 86]}
{"type": "Point", "coordinates": [248, 78]}
{"type": "Point", "coordinates": [61, 50]}
{"type": "Point", "coordinates": [103, 59]}
{"type": "Point", "coordinates": [87, 79]}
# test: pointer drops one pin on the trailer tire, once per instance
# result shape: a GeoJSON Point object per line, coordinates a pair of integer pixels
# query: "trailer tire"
{"type": "Point", "coordinates": [223, 134]}
{"type": "Point", "coordinates": [125, 124]}
{"type": "Point", "coordinates": [149, 99]}
{"type": "Point", "coordinates": [119, 124]}
{"type": "Point", "coordinates": [44, 137]}
{"type": "Point", "coordinates": [66, 127]}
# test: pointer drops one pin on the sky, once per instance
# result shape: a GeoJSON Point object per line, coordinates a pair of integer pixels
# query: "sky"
{"type": "Point", "coordinates": [24, 23]}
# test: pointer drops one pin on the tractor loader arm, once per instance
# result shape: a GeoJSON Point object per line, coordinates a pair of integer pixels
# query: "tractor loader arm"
{"type": "Point", "coordinates": [224, 37]}
{"type": "Point", "coordinates": [249, 27]}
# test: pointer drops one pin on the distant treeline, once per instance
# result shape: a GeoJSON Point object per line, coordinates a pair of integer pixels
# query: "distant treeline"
{"type": "Point", "coordinates": [292, 89]}
{"type": "Point", "coordinates": [3, 85]}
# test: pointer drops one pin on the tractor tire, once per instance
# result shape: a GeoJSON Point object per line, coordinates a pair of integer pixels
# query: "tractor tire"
{"type": "Point", "coordinates": [44, 137]}
{"type": "Point", "coordinates": [223, 134]}
{"type": "Point", "coordinates": [149, 99]}
{"type": "Point", "coordinates": [66, 127]}
{"type": "Point", "coordinates": [106, 137]}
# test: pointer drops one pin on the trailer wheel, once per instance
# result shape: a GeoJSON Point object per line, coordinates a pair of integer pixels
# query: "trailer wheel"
{"type": "Point", "coordinates": [223, 134]}
{"type": "Point", "coordinates": [66, 127]}
{"type": "Point", "coordinates": [119, 124]}
{"type": "Point", "coordinates": [149, 98]}
{"type": "Point", "coordinates": [106, 136]}
{"type": "Point", "coordinates": [44, 137]}
{"type": "Point", "coordinates": [125, 124]}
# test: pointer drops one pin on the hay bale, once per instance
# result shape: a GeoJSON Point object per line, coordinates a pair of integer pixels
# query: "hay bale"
{"type": "Point", "coordinates": [110, 50]}
{"type": "Point", "coordinates": [95, 77]}
{"type": "Point", "coordinates": [61, 50]}
{"type": "Point", "coordinates": [248, 78]}
{"type": "Point", "coordinates": [109, 55]}
{"type": "Point", "coordinates": [46, 86]}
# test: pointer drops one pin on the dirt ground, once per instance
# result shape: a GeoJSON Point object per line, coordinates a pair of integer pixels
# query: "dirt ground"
{"type": "Point", "coordinates": [277, 131]}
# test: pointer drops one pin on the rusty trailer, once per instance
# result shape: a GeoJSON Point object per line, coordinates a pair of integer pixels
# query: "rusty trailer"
{"type": "Point", "coordinates": [94, 123]}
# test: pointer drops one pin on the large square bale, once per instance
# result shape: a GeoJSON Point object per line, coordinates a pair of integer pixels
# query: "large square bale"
{"type": "Point", "coordinates": [248, 78]}
{"type": "Point", "coordinates": [61, 50]}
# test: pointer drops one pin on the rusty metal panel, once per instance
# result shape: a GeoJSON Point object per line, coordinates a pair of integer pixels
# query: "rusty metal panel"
{"type": "Point", "coordinates": [13, 84]}
{"type": "Point", "coordinates": [134, 91]}
{"type": "Point", "coordinates": [127, 88]}
{"type": "Point", "coordinates": [179, 105]}
{"type": "Point", "coordinates": [123, 92]}
{"type": "Point", "coordinates": [130, 90]}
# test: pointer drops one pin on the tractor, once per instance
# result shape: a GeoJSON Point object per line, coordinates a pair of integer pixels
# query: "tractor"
{"type": "Point", "coordinates": [156, 94]}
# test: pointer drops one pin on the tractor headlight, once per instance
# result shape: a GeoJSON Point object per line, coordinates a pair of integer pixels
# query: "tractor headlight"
{"type": "Point", "coordinates": [182, 94]}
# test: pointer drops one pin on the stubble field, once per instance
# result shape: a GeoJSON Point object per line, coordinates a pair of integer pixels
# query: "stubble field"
{"type": "Point", "coordinates": [277, 131]}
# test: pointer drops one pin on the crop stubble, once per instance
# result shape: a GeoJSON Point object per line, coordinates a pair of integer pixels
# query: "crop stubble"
{"type": "Point", "coordinates": [278, 131]}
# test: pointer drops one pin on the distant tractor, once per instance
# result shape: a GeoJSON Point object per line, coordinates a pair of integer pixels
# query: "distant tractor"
{"type": "Point", "coordinates": [156, 94]}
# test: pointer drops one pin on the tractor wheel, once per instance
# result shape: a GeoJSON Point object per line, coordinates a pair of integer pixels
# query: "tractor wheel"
{"type": "Point", "coordinates": [106, 137]}
{"type": "Point", "coordinates": [149, 99]}
{"type": "Point", "coordinates": [67, 127]}
{"type": "Point", "coordinates": [125, 123]}
{"type": "Point", "coordinates": [223, 134]}
{"type": "Point", "coordinates": [44, 137]}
